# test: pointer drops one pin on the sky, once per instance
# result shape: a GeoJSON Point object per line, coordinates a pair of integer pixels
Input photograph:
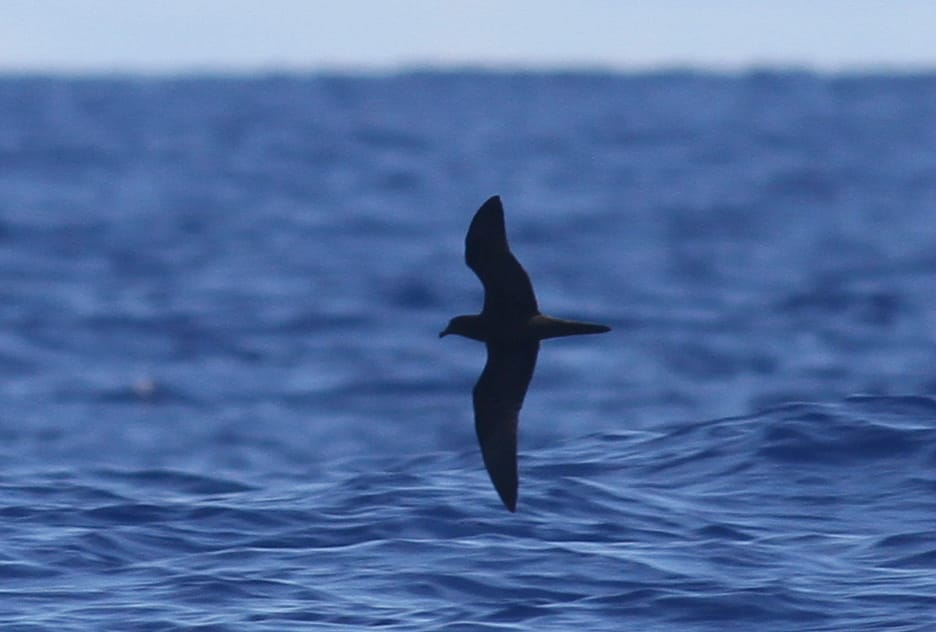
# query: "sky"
{"type": "Point", "coordinates": [243, 36]}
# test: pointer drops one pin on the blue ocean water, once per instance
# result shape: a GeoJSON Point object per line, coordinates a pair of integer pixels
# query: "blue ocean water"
{"type": "Point", "coordinates": [224, 405]}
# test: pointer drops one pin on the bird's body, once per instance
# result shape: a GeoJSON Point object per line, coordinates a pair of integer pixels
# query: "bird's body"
{"type": "Point", "coordinates": [537, 327]}
{"type": "Point", "coordinates": [511, 326]}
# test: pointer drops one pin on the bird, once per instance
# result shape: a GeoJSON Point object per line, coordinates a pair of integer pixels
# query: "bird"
{"type": "Point", "coordinates": [511, 327]}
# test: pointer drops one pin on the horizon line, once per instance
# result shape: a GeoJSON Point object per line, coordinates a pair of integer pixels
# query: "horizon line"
{"type": "Point", "coordinates": [408, 68]}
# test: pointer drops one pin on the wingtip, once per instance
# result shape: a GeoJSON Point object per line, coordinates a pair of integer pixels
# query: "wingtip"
{"type": "Point", "coordinates": [491, 205]}
{"type": "Point", "coordinates": [510, 502]}
{"type": "Point", "coordinates": [503, 476]}
{"type": "Point", "coordinates": [490, 211]}
{"type": "Point", "coordinates": [507, 490]}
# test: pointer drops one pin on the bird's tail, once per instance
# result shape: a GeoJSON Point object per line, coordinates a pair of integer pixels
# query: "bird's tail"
{"type": "Point", "coordinates": [549, 327]}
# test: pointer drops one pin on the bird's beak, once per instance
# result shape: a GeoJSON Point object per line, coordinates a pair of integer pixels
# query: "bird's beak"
{"type": "Point", "coordinates": [444, 333]}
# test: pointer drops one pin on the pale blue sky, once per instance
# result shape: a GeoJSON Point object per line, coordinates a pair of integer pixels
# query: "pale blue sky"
{"type": "Point", "coordinates": [248, 35]}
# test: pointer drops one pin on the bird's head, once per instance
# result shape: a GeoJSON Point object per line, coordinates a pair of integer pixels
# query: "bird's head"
{"type": "Point", "coordinates": [467, 326]}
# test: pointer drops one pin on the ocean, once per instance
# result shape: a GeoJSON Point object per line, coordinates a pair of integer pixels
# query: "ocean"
{"type": "Point", "coordinates": [224, 404]}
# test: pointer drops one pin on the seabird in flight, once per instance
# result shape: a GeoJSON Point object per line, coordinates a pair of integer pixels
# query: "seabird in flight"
{"type": "Point", "coordinates": [511, 326]}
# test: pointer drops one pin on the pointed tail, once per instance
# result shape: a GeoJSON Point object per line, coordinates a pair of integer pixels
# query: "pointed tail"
{"type": "Point", "coordinates": [549, 327]}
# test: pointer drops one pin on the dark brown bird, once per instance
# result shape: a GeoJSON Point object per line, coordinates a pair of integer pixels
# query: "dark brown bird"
{"type": "Point", "coordinates": [511, 326]}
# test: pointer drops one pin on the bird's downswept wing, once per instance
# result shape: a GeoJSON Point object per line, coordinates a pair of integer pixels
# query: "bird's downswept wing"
{"type": "Point", "coordinates": [498, 397]}
{"type": "Point", "coordinates": [508, 293]}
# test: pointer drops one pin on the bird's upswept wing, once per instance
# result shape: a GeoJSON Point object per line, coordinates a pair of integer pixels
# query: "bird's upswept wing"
{"type": "Point", "coordinates": [508, 293]}
{"type": "Point", "coordinates": [498, 397]}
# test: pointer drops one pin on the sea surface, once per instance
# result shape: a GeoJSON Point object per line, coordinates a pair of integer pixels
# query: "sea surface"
{"type": "Point", "coordinates": [224, 404]}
